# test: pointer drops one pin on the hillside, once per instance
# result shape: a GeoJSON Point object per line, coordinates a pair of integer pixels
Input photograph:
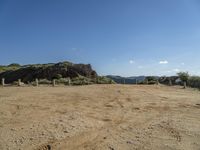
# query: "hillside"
{"type": "Point", "coordinates": [29, 73]}
{"type": "Point", "coordinates": [4, 68]}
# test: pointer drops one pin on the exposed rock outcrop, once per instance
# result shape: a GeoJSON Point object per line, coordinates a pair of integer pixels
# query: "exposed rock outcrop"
{"type": "Point", "coordinates": [29, 73]}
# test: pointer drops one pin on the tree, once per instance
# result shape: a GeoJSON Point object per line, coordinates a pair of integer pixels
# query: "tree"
{"type": "Point", "coordinates": [151, 80]}
{"type": "Point", "coordinates": [184, 76]}
{"type": "Point", "coordinates": [14, 65]}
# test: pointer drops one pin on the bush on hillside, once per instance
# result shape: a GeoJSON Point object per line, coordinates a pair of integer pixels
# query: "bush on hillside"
{"type": "Point", "coordinates": [81, 80]}
{"type": "Point", "coordinates": [14, 65]}
{"type": "Point", "coordinates": [57, 76]}
{"type": "Point", "coordinates": [150, 80]}
{"type": "Point", "coordinates": [65, 81]}
{"type": "Point", "coordinates": [184, 76]}
{"type": "Point", "coordinates": [104, 80]}
{"type": "Point", "coordinates": [194, 82]}
{"type": "Point", "coordinates": [44, 81]}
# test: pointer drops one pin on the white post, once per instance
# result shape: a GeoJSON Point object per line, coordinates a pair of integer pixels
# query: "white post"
{"type": "Point", "coordinates": [3, 82]}
{"type": "Point", "coordinates": [19, 82]}
{"type": "Point", "coordinates": [170, 82]}
{"type": "Point", "coordinates": [157, 82]}
{"type": "Point", "coordinates": [136, 81]}
{"type": "Point", "coordinates": [185, 85]}
{"type": "Point", "coordinates": [36, 82]}
{"type": "Point", "coordinates": [69, 81]}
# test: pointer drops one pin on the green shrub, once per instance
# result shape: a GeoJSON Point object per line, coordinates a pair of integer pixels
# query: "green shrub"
{"type": "Point", "coordinates": [15, 83]}
{"type": "Point", "coordinates": [152, 82]}
{"type": "Point", "coordinates": [64, 81]}
{"type": "Point", "coordinates": [14, 65]}
{"type": "Point", "coordinates": [44, 81]}
{"type": "Point", "coordinates": [57, 76]}
{"type": "Point", "coordinates": [184, 76]}
{"type": "Point", "coordinates": [142, 82]}
{"type": "Point", "coordinates": [104, 80]}
{"type": "Point", "coordinates": [81, 80]}
{"type": "Point", "coordinates": [151, 78]}
{"type": "Point", "coordinates": [9, 67]}
{"type": "Point", "coordinates": [194, 81]}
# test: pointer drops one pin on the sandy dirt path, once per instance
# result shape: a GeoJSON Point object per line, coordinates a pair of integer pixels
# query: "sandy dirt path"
{"type": "Point", "coordinates": [99, 117]}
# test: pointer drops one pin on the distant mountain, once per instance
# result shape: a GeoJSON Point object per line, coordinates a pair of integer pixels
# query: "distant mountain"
{"type": "Point", "coordinates": [126, 80]}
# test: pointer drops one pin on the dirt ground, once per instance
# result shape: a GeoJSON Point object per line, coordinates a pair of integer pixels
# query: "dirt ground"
{"type": "Point", "coordinates": [99, 117]}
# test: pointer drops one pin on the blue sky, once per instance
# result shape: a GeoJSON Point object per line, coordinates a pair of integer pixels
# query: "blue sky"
{"type": "Point", "coordinates": [119, 37]}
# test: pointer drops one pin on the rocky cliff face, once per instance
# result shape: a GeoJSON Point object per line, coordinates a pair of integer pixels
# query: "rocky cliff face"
{"type": "Point", "coordinates": [29, 73]}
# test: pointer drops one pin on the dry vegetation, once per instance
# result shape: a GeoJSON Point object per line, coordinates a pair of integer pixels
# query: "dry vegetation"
{"type": "Point", "coordinates": [99, 117]}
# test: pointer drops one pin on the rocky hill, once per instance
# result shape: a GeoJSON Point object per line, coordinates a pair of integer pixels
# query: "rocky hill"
{"type": "Point", "coordinates": [29, 73]}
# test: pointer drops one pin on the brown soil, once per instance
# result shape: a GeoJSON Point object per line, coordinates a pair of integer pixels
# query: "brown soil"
{"type": "Point", "coordinates": [99, 117]}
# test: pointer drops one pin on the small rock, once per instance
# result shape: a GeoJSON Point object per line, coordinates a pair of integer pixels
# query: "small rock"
{"type": "Point", "coordinates": [65, 131]}
{"type": "Point", "coordinates": [129, 142]}
{"type": "Point", "coordinates": [111, 148]}
{"type": "Point", "coordinates": [137, 137]}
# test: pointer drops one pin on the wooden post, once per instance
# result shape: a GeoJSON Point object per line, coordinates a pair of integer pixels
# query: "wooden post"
{"type": "Point", "coordinates": [185, 85]}
{"type": "Point", "coordinates": [69, 81]}
{"type": "Point", "coordinates": [147, 82]}
{"type": "Point", "coordinates": [170, 82]}
{"type": "Point", "coordinates": [19, 82]}
{"type": "Point", "coordinates": [54, 82]}
{"type": "Point", "coordinates": [157, 82]}
{"type": "Point", "coordinates": [3, 82]}
{"type": "Point", "coordinates": [124, 81]}
{"type": "Point", "coordinates": [136, 82]}
{"type": "Point", "coordinates": [36, 82]}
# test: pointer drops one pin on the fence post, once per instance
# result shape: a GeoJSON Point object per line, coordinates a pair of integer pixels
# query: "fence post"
{"type": "Point", "coordinates": [157, 82]}
{"type": "Point", "coordinates": [170, 82]}
{"type": "Point", "coordinates": [36, 82]}
{"type": "Point", "coordinates": [3, 82]}
{"type": "Point", "coordinates": [185, 85]}
{"type": "Point", "coordinates": [136, 81]}
{"type": "Point", "coordinates": [54, 82]}
{"type": "Point", "coordinates": [19, 82]}
{"type": "Point", "coordinates": [69, 81]}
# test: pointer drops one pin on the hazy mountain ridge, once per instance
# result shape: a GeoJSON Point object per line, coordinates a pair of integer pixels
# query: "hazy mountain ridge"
{"type": "Point", "coordinates": [126, 80]}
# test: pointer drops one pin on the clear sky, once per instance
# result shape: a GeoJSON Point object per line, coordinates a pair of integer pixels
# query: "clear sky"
{"type": "Point", "coordinates": [119, 37]}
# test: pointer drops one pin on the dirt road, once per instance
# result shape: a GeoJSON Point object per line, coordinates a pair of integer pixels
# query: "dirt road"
{"type": "Point", "coordinates": [99, 117]}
